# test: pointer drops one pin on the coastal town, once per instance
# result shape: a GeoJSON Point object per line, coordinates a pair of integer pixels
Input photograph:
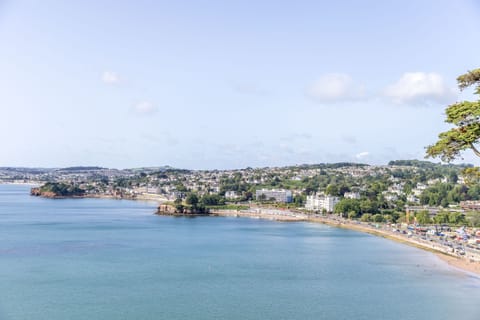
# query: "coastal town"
{"type": "Point", "coordinates": [435, 206]}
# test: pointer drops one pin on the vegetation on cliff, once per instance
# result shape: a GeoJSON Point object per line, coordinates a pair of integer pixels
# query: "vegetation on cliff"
{"type": "Point", "coordinates": [58, 189]}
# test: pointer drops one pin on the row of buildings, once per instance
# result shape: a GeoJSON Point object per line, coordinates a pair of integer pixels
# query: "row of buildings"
{"type": "Point", "coordinates": [315, 202]}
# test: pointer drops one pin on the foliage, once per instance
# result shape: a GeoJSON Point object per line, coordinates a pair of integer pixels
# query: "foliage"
{"type": "Point", "coordinates": [422, 217]}
{"type": "Point", "coordinates": [212, 200]}
{"type": "Point", "coordinates": [228, 207]}
{"type": "Point", "coordinates": [62, 189]}
{"type": "Point", "coordinates": [456, 218]}
{"type": "Point", "coordinates": [192, 199]}
{"type": "Point", "coordinates": [444, 194]}
{"type": "Point", "coordinates": [465, 116]}
{"type": "Point", "coordinates": [367, 217]}
{"type": "Point", "coordinates": [473, 219]}
{"type": "Point", "coordinates": [470, 78]}
{"type": "Point", "coordinates": [357, 206]}
{"type": "Point", "coordinates": [472, 176]}
{"type": "Point", "coordinates": [299, 200]}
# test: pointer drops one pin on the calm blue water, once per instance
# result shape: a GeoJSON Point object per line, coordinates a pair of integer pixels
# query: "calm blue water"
{"type": "Point", "coordinates": [110, 259]}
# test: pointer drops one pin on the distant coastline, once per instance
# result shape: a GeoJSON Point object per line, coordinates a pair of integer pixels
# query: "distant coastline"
{"type": "Point", "coordinates": [36, 191]}
{"type": "Point", "coordinates": [31, 184]}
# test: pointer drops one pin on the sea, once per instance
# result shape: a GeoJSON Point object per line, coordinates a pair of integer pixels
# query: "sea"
{"type": "Point", "coordinates": [115, 259]}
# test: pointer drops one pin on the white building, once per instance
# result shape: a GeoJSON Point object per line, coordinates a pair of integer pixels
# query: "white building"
{"type": "Point", "coordinates": [351, 195]}
{"type": "Point", "coordinates": [413, 198]}
{"type": "Point", "coordinates": [279, 195]}
{"type": "Point", "coordinates": [231, 195]}
{"type": "Point", "coordinates": [321, 202]}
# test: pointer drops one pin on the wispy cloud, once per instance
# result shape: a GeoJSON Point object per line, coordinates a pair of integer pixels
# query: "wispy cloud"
{"type": "Point", "coordinates": [362, 155]}
{"type": "Point", "coordinates": [335, 87]}
{"type": "Point", "coordinates": [110, 77]}
{"type": "Point", "coordinates": [144, 108]}
{"type": "Point", "coordinates": [420, 88]}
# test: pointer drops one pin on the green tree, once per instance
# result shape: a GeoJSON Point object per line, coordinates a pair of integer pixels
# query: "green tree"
{"type": "Point", "coordinates": [367, 217]}
{"type": "Point", "coordinates": [473, 218]}
{"type": "Point", "coordinates": [332, 190]}
{"type": "Point", "coordinates": [352, 215]}
{"type": "Point", "coordinates": [472, 176]}
{"type": "Point", "coordinates": [402, 218]}
{"type": "Point", "coordinates": [192, 199]}
{"type": "Point", "coordinates": [422, 217]}
{"type": "Point", "coordinates": [441, 218]}
{"type": "Point", "coordinates": [465, 116]}
{"type": "Point", "coordinates": [456, 218]}
{"type": "Point", "coordinates": [348, 205]}
{"type": "Point", "coordinates": [377, 218]}
{"type": "Point", "coordinates": [262, 197]}
{"type": "Point", "coordinates": [388, 218]}
{"type": "Point", "coordinates": [298, 200]}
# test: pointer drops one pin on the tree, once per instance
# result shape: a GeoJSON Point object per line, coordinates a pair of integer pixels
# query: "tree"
{"type": "Point", "coordinates": [473, 218]}
{"type": "Point", "coordinates": [377, 218]}
{"type": "Point", "coordinates": [192, 199]}
{"type": "Point", "coordinates": [472, 176]}
{"type": "Point", "coordinates": [422, 217]}
{"type": "Point", "coordinates": [456, 218]}
{"type": "Point", "coordinates": [367, 217]}
{"type": "Point", "coordinates": [352, 215]}
{"type": "Point", "coordinates": [298, 200]}
{"type": "Point", "coordinates": [441, 218]}
{"type": "Point", "coordinates": [465, 116]}
{"type": "Point", "coordinates": [348, 205]}
{"type": "Point", "coordinates": [332, 190]}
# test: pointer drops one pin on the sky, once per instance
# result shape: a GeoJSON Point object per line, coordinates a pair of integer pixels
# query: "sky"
{"type": "Point", "coordinates": [229, 84]}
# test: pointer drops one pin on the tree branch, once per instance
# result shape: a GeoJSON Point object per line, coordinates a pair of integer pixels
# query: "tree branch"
{"type": "Point", "coordinates": [475, 150]}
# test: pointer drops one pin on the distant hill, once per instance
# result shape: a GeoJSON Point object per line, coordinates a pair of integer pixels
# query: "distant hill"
{"type": "Point", "coordinates": [331, 165]}
{"type": "Point", "coordinates": [424, 164]}
{"type": "Point", "coordinates": [80, 168]}
{"type": "Point", "coordinates": [27, 170]}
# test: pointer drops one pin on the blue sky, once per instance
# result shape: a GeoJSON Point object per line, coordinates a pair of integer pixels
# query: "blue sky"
{"type": "Point", "coordinates": [229, 84]}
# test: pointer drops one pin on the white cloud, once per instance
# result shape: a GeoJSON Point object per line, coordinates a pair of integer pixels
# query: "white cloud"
{"type": "Point", "coordinates": [335, 87]}
{"type": "Point", "coordinates": [420, 88]}
{"type": "Point", "coordinates": [144, 108]}
{"type": "Point", "coordinates": [110, 77]}
{"type": "Point", "coordinates": [362, 155]}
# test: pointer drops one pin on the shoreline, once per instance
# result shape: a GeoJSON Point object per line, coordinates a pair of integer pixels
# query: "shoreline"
{"type": "Point", "coordinates": [463, 264]}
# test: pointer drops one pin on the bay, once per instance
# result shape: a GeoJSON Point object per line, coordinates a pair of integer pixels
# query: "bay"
{"type": "Point", "coordinates": [112, 259]}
